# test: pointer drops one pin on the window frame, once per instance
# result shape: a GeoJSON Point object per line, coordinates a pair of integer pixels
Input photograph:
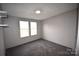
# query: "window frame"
{"type": "Point", "coordinates": [29, 21]}
{"type": "Point", "coordinates": [36, 28]}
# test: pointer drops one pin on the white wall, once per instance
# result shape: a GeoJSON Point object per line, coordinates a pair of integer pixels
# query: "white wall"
{"type": "Point", "coordinates": [2, 50]}
{"type": "Point", "coordinates": [12, 35]}
{"type": "Point", "coordinates": [61, 29]}
{"type": "Point", "coordinates": [77, 45]}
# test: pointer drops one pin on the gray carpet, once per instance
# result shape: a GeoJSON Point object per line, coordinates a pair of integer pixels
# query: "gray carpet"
{"type": "Point", "coordinates": [38, 48]}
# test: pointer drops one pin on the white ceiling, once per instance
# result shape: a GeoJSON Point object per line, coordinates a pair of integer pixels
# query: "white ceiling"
{"type": "Point", "coordinates": [27, 10]}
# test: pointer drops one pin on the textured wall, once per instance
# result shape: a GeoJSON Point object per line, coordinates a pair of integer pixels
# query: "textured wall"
{"type": "Point", "coordinates": [77, 46]}
{"type": "Point", "coordinates": [12, 35]}
{"type": "Point", "coordinates": [61, 29]}
{"type": "Point", "coordinates": [2, 49]}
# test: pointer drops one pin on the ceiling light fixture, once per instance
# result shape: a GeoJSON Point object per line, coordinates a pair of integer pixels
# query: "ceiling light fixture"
{"type": "Point", "coordinates": [37, 11]}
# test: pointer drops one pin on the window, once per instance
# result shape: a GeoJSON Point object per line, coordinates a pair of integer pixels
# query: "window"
{"type": "Point", "coordinates": [33, 28]}
{"type": "Point", "coordinates": [24, 29]}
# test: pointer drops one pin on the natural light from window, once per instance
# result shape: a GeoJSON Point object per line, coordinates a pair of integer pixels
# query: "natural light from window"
{"type": "Point", "coordinates": [33, 28]}
{"type": "Point", "coordinates": [24, 29]}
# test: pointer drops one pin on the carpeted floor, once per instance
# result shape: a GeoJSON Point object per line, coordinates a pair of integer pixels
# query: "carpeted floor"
{"type": "Point", "coordinates": [38, 48]}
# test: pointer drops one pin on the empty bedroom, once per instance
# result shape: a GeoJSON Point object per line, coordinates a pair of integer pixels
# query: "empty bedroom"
{"type": "Point", "coordinates": [39, 29]}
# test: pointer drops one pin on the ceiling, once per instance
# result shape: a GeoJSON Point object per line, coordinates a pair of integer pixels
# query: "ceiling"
{"type": "Point", "coordinates": [27, 10]}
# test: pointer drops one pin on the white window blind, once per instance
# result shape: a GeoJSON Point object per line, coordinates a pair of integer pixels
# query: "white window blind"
{"type": "Point", "coordinates": [24, 29]}
{"type": "Point", "coordinates": [33, 28]}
